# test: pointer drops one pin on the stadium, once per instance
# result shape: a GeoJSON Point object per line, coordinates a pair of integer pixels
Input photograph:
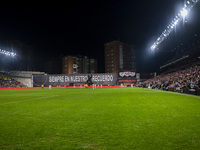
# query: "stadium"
{"type": "Point", "coordinates": [123, 109]}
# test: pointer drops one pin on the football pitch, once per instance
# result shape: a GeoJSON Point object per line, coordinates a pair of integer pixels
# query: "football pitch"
{"type": "Point", "coordinates": [101, 118]}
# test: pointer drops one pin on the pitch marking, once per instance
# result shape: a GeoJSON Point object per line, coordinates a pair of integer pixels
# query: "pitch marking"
{"type": "Point", "coordinates": [29, 99]}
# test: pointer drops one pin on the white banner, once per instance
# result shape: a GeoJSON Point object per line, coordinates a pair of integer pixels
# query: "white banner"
{"type": "Point", "coordinates": [127, 74]}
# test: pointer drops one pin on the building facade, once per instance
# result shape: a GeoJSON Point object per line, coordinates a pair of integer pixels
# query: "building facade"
{"type": "Point", "coordinates": [119, 57]}
{"type": "Point", "coordinates": [78, 65]}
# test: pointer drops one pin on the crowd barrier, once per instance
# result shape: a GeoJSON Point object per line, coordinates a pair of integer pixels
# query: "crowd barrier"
{"type": "Point", "coordinates": [185, 90]}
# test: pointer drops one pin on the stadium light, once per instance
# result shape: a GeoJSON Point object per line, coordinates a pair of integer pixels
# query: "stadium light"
{"type": "Point", "coordinates": [181, 16]}
{"type": "Point", "coordinates": [4, 52]}
{"type": "Point", "coordinates": [184, 12]}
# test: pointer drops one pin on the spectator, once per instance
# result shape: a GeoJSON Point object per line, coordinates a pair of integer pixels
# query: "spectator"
{"type": "Point", "coordinates": [187, 78]}
{"type": "Point", "coordinates": [6, 81]}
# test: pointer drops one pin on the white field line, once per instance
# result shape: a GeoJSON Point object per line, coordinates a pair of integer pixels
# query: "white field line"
{"type": "Point", "coordinates": [29, 100]}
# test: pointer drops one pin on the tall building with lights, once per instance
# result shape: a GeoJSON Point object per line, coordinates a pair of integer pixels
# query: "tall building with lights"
{"type": "Point", "coordinates": [78, 64]}
{"type": "Point", "coordinates": [119, 57]}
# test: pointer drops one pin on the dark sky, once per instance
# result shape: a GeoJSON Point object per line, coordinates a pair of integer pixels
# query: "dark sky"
{"type": "Point", "coordinates": [83, 27]}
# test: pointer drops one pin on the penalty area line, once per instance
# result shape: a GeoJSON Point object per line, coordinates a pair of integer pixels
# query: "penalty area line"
{"type": "Point", "coordinates": [29, 99]}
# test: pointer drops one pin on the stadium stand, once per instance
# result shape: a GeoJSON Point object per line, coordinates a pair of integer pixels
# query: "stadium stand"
{"type": "Point", "coordinates": [181, 73]}
{"type": "Point", "coordinates": [6, 81]}
{"type": "Point", "coordinates": [185, 79]}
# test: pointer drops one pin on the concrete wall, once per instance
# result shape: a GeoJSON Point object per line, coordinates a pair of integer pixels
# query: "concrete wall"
{"type": "Point", "coordinates": [25, 77]}
{"type": "Point", "coordinates": [25, 81]}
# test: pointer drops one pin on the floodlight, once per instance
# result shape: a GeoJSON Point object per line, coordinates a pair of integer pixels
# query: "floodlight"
{"type": "Point", "coordinates": [181, 15]}
{"type": "Point", "coordinates": [175, 22]}
{"type": "Point", "coordinates": [184, 12]}
{"type": "Point", "coordinates": [7, 53]}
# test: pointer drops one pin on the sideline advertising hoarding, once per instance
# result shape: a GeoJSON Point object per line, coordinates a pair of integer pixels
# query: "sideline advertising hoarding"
{"type": "Point", "coordinates": [64, 79]}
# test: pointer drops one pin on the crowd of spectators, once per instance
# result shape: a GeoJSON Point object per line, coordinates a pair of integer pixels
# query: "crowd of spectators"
{"type": "Point", "coordinates": [180, 78]}
{"type": "Point", "coordinates": [6, 81]}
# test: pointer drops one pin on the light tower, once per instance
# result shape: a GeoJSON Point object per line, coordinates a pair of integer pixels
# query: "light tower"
{"type": "Point", "coordinates": [180, 16]}
{"type": "Point", "coordinates": [4, 52]}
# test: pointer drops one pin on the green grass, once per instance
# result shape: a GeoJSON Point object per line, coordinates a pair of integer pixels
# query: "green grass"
{"type": "Point", "coordinates": [103, 118]}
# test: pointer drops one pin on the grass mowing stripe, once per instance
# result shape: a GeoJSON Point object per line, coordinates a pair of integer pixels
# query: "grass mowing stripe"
{"type": "Point", "coordinates": [29, 100]}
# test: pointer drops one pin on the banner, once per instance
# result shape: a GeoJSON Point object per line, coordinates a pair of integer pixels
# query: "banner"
{"type": "Point", "coordinates": [64, 79]}
{"type": "Point", "coordinates": [127, 74]}
{"type": "Point", "coordinates": [126, 78]}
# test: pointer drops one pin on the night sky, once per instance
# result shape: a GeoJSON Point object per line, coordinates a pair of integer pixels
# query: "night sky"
{"type": "Point", "coordinates": [74, 28]}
